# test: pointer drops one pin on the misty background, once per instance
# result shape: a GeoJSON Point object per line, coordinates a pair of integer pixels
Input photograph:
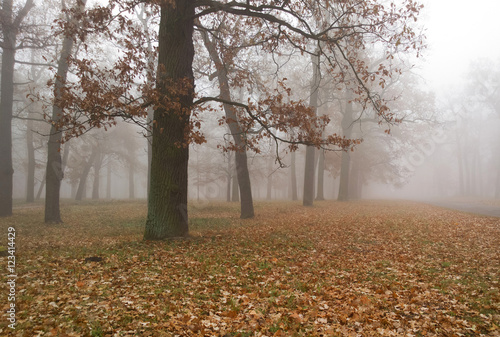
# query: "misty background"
{"type": "Point", "coordinates": [447, 144]}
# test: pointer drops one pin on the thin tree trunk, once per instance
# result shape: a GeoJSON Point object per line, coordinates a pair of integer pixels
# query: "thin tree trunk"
{"type": "Point", "coordinates": [344, 177]}
{"type": "Point", "coordinates": [460, 167]}
{"type": "Point", "coordinates": [466, 166]}
{"type": "Point", "coordinates": [269, 186]}
{"type": "Point", "coordinates": [131, 184]}
{"type": "Point", "coordinates": [167, 203]}
{"type": "Point", "coordinates": [269, 176]}
{"type": "Point", "coordinates": [308, 197]}
{"type": "Point", "coordinates": [10, 29]}
{"type": "Point", "coordinates": [247, 210]}
{"type": "Point", "coordinates": [228, 178]}
{"type": "Point", "coordinates": [150, 147]}
{"type": "Point", "coordinates": [6, 103]}
{"type": "Point", "coordinates": [81, 192]}
{"type": "Point", "coordinates": [30, 181]}
{"type": "Point", "coordinates": [473, 185]}
{"type": "Point", "coordinates": [97, 175]}
{"type": "Point", "coordinates": [293, 177]}
{"type": "Point", "coordinates": [54, 162]}
{"type": "Point", "coordinates": [321, 176]}
{"type": "Point", "coordinates": [145, 20]}
{"type": "Point", "coordinates": [198, 177]}
{"type": "Point", "coordinates": [41, 187]}
{"type": "Point", "coordinates": [108, 181]}
{"type": "Point", "coordinates": [347, 120]}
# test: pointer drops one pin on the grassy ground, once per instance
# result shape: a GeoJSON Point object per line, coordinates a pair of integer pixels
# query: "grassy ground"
{"type": "Point", "coordinates": [371, 268]}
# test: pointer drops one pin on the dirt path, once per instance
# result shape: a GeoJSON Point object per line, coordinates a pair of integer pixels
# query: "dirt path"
{"type": "Point", "coordinates": [469, 207]}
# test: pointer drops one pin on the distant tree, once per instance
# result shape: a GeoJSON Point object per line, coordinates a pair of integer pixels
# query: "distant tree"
{"type": "Point", "coordinates": [308, 196]}
{"type": "Point", "coordinates": [54, 173]}
{"type": "Point", "coordinates": [345, 166]}
{"type": "Point", "coordinates": [483, 89]}
{"type": "Point", "coordinates": [217, 56]}
{"type": "Point", "coordinates": [293, 177]}
{"type": "Point", "coordinates": [88, 163]}
{"type": "Point", "coordinates": [11, 27]}
{"type": "Point", "coordinates": [97, 174]}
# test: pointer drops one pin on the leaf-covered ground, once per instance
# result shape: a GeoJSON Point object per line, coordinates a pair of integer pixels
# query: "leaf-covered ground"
{"type": "Point", "coordinates": [372, 268]}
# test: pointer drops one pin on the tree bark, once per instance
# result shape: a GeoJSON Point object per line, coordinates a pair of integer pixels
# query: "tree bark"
{"type": "Point", "coordinates": [167, 202]}
{"type": "Point", "coordinates": [54, 162]}
{"type": "Point", "coordinates": [308, 197]}
{"type": "Point", "coordinates": [247, 210]}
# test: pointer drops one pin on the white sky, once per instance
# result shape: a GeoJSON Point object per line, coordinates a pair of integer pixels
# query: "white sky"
{"type": "Point", "coordinates": [458, 32]}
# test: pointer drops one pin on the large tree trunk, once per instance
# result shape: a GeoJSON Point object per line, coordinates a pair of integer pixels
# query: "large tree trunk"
{"type": "Point", "coordinates": [167, 202]}
{"type": "Point", "coordinates": [347, 120]}
{"type": "Point", "coordinates": [308, 197]}
{"type": "Point", "coordinates": [247, 210]}
{"type": "Point", "coordinates": [54, 163]}
{"type": "Point", "coordinates": [30, 179]}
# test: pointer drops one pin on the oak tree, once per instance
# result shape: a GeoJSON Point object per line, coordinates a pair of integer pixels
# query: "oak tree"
{"type": "Point", "coordinates": [333, 30]}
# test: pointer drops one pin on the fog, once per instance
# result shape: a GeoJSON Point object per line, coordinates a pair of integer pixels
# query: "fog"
{"type": "Point", "coordinates": [446, 146]}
